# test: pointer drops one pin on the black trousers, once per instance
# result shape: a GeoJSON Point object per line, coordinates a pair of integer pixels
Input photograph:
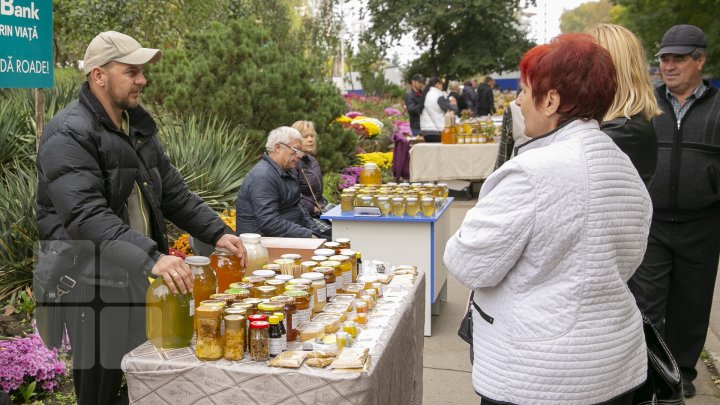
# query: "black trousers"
{"type": "Point", "coordinates": [674, 285]}
{"type": "Point", "coordinates": [103, 323]}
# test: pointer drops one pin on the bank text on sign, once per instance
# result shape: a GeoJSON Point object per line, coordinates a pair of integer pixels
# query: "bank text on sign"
{"type": "Point", "coordinates": [26, 47]}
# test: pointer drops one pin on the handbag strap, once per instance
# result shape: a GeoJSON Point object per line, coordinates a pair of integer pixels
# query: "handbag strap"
{"type": "Point", "coordinates": [317, 204]}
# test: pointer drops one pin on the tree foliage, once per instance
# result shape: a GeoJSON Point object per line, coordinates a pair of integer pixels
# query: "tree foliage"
{"type": "Point", "coordinates": [650, 19]}
{"type": "Point", "coordinates": [461, 37]}
{"type": "Point", "coordinates": [585, 16]}
{"type": "Point", "coordinates": [256, 76]}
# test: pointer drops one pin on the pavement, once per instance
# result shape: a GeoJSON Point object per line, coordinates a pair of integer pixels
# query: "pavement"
{"type": "Point", "coordinates": [446, 365]}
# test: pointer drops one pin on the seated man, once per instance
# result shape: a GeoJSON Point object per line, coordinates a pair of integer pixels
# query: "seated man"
{"type": "Point", "coordinates": [268, 202]}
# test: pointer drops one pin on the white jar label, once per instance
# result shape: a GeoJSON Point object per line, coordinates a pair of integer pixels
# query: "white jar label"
{"type": "Point", "coordinates": [331, 290]}
{"type": "Point", "coordinates": [321, 294]}
{"type": "Point", "coordinates": [276, 346]}
{"type": "Point", "coordinates": [301, 317]}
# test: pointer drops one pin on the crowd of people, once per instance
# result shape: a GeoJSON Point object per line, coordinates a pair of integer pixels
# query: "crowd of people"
{"type": "Point", "coordinates": [605, 205]}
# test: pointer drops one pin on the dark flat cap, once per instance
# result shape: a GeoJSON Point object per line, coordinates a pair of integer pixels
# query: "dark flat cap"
{"type": "Point", "coordinates": [682, 39]}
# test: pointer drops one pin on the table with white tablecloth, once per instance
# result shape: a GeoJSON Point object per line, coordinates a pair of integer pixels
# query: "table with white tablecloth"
{"type": "Point", "coordinates": [436, 161]}
{"type": "Point", "coordinates": [394, 374]}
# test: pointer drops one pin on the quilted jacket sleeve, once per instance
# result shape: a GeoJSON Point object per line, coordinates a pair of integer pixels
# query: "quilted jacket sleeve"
{"type": "Point", "coordinates": [495, 232]}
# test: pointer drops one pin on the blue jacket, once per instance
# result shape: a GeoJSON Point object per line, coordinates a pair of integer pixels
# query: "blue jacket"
{"type": "Point", "coordinates": [268, 203]}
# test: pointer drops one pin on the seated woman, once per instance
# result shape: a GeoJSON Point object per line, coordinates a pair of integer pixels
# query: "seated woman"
{"type": "Point", "coordinates": [556, 233]}
{"type": "Point", "coordinates": [308, 171]}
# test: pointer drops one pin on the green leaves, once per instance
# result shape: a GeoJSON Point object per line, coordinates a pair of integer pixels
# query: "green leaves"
{"type": "Point", "coordinates": [212, 156]}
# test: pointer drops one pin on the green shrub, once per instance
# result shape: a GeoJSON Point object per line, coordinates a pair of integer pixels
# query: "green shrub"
{"type": "Point", "coordinates": [212, 156]}
{"type": "Point", "coordinates": [247, 74]}
{"type": "Point", "coordinates": [18, 231]}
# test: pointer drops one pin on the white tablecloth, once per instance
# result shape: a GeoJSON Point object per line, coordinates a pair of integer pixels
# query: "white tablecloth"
{"type": "Point", "coordinates": [435, 161]}
{"type": "Point", "coordinates": [395, 339]}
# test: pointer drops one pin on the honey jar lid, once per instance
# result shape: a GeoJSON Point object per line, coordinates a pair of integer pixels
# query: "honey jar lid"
{"type": "Point", "coordinates": [259, 325]}
{"type": "Point", "coordinates": [197, 261]}
{"type": "Point", "coordinates": [296, 293]}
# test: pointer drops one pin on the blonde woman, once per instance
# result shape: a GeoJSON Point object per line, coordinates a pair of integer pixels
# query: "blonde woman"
{"type": "Point", "coordinates": [308, 171]}
{"type": "Point", "coordinates": [627, 121]}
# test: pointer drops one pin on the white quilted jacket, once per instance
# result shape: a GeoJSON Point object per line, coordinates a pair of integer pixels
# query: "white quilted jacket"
{"type": "Point", "coordinates": [548, 249]}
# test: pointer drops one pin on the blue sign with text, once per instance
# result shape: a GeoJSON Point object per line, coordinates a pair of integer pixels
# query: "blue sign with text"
{"type": "Point", "coordinates": [26, 44]}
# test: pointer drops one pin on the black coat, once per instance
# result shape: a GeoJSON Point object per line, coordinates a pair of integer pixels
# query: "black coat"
{"type": "Point", "coordinates": [485, 100]}
{"type": "Point", "coordinates": [268, 203]}
{"type": "Point", "coordinates": [87, 168]}
{"type": "Point", "coordinates": [413, 103]}
{"type": "Point", "coordinates": [310, 179]}
{"type": "Point", "coordinates": [636, 137]}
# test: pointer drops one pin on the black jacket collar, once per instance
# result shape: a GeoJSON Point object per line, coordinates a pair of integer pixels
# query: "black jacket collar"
{"type": "Point", "coordinates": [141, 121]}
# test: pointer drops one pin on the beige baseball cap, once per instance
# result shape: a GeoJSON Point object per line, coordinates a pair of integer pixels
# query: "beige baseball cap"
{"type": "Point", "coordinates": [112, 46]}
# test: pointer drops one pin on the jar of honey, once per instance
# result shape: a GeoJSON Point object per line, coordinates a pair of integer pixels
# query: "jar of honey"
{"type": "Point", "coordinates": [289, 309]}
{"type": "Point", "coordinates": [265, 292]}
{"type": "Point", "coordinates": [296, 258]}
{"type": "Point", "coordinates": [353, 263]}
{"type": "Point", "coordinates": [272, 266]}
{"type": "Point", "coordinates": [269, 308]}
{"type": "Point", "coordinates": [209, 341]}
{"type": "Point", "coordinates": [370, 174]}
{"type": "Point", "coordinates": [302, 308]}
{"type": "Point", "coordinates": [345, 267]}
{"type": "Point", "coordinates": [344, 243]}
{"type": "Point", "coordinates": [335, 246]}
{"type": "Point", "coordinates": [264, 273]}
{"type": "Point", "coordinates": [168, 316]}
{"type": "Point", "coordinates": [227, 268]}
{"type": "Point", "coordinates": [330, 280]}
{"type": "Point", "coordinates": [204, 281]}
{"type": "Point", "coordinates": [324, 252]}
{"type": "Point", "coordinates": [308, 266]}
{"type": "Point", "coordinates": [234, 337]}
{"type": "Point", "coordinates": [278, 284]}
{"type": "Point", "coordinates": [318, 290]}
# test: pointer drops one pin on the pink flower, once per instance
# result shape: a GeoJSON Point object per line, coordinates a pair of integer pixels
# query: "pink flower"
{"type": "Point", "coordinates": [353, 114]}
{"type": "Point", "coordinates": [393, 112]}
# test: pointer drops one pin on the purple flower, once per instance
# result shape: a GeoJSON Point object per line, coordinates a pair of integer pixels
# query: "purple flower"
{"type": "Point", "coordinates": [25, 359]}
{"type": "Point", "coordinates": [402, 128]}
{"type": "Point", "coordinates": [393, 112]}
{"type": "Point", "coordinates": [353, 114]}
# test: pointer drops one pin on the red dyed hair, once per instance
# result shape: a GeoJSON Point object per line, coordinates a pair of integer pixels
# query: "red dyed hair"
{"type": "Point", "coordinates": [580, 70]}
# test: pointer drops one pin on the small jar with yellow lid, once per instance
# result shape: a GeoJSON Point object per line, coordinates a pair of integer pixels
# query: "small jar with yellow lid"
{"type": "Point", "coordinates": [234, 337]}
{"type": "Point", "coordinates": [209, 340]}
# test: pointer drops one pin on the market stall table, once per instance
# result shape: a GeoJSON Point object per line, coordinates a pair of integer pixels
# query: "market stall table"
{"type": "Point", "coordinates": [393, 375]}
{"type": "Point", "coordinates": [416, 240]}
{"type": "Point", "coordinates": [435, 161]}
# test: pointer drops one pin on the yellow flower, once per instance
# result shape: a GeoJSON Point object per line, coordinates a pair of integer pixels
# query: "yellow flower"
{"type": "Point", "coordinates": [343, 119]}
{"type": "Point", "coordinates": [229, 218]}
{"type": "Point", "coordinates": [182, 244]}
{"type": "Point", "coordinates": [372, 125]}
{"type": "Point", "coordinates": [382, 159]}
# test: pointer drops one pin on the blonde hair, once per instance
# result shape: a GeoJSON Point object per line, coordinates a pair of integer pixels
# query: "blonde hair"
{"type": "Point", "coordinates": [634, 93]}
{"type": "Point", "coordinates": [306, 128]}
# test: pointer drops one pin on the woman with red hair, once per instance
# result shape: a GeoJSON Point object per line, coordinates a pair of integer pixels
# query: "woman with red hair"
{"type": "Point", "coordinates": [556, 233]}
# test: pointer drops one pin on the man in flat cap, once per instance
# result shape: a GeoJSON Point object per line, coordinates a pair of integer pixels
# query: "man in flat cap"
{"type": "Point", "coordinates": [674, 285]}
{"type": "Point", "coordinates": [105, 189]}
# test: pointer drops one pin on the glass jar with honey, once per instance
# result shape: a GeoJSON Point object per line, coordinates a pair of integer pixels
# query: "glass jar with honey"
{"type": "Point", "coordinates": [269, 308]}
{"type": "Point", "coordinates": [265, 292]}
{"type": "Point", "coordinates": [264, 273]}
{"type": "Point", "coordinates": [339, 280]}
{"type": "Point", "coordinates": [344, 243]}
{"type": "Point", "coordinates": [209, 341]}
{"type": "Point", "coordinates": [295, 257]}
{"type": "Point", "coordinates": [302, 308]}
{"type": "Point", "coordinates": [353, 262]}
{"type": "Point", "coordinates": [204, 281]}
{"type": "Point", "coordinates": [257, 254]}
{"type": "Point", "coordinates": [289, 309]}
{"type": "Point", "coordinates": [370, 174]}
{"type": "Point", "coordinates": [411, 206]}
{"type": "Point", "coordinates": [324, 252]}
{"type": "Point", "coordinates": [335, 246]}
{"type": "Point", "coordinates": [234, 337]}
{"type": "Point", "coordinates": [330, 280]}
{"type": "Point", "coordinates": [227, 268]}
{"type": "Point", "coordinates": [278, 284]}
{"type": "Point", "coordinates": [345, 267]}
{"type": "Point", "coordinates": [318, 290]}
{"type": "Point", "coordinates": [169, 317]}
{"type": "Point", "coordinates": [308, 266]}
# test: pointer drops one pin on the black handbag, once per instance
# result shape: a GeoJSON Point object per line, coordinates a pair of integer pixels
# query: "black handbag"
{"type": "Point", "coordinates": [466, 324]}
{"type": "Point", "coordinates": [664, 383]}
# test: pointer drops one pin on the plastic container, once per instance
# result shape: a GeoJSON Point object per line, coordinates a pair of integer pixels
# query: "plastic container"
{"type": "Point", "coordinates": [257, 254]}
{"type": "Point", "coordinates": [330, 320]}
{"type": "Point", "coordinates": [312, 331]}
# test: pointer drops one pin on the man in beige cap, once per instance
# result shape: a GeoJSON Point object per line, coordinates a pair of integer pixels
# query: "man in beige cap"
{"type": "Point", "coordinates": [105, 189]}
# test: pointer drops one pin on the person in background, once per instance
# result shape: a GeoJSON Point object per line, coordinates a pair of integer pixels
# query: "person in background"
{"type": "Point", "coordinates": [512, 134]}
{"type": "Point", "coordinates": [546, 258]}
{"type": "Point", "coordinates": [486, 97]}
{"type": "Point", "coordinates": [308, 172]}
{"type": "Point", "coordinates": [268, 202]}
{"type": "Point", "coordinates": [469, 95]}
{"type": "Point", "coordinates": [454, 92]}
{"type": "Point", "coordinates": [413, 102]}
{"type": "Point", "coordinates": [105, 190]}
{"type": "Point", "coordinates": [675, 283]}
{"type": "Point", "coordinates": [628, 120]}
{"type": "Point", "coordinates": [435, 105]}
